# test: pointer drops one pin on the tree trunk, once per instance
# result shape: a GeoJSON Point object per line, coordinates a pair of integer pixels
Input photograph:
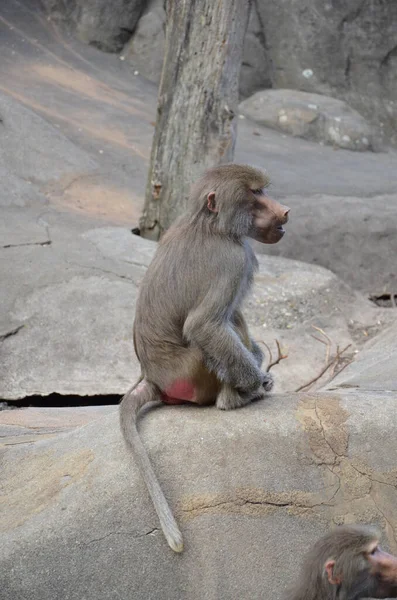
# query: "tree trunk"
{"type": "Point", "coordinates": [197, 105]}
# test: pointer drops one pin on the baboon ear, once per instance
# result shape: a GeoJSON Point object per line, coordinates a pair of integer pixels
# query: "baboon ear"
{"type": "Point", "coordinates": [211, 202]}
{"type": "Point", "coordinates": [329, 569]}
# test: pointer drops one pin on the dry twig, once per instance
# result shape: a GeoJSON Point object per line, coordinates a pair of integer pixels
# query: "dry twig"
{"type": "Point", "coordinates": [328, 343]}
{"type": "Point", "coordinates": [333, 361]}
{"type": "Point", "coordinates": [280, 355]}
{"type": "Point", "coordinates": [349, 362]}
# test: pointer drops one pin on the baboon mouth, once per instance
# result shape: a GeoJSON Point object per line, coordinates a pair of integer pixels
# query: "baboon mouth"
{"type": "Point", "coordinates": [281, 229]}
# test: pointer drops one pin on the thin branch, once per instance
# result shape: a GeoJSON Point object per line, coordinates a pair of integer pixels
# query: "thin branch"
{"type": "Point", "coordinates": [328, 343]}
{"type": "Point", "coordinates": [318, 339]}
{"type": "Point", "coordinates": [330, 363]}
{"type": "Point", "coordinates": [336, 362]}
{"type": "Point", "coordinates": [268, 349]}
{"type": "Point", "coordinates": [280, 355]}
{"type": "Point", "coordinates": [323, 332]}
{"type": "Point", "coordinates": [349, 362]}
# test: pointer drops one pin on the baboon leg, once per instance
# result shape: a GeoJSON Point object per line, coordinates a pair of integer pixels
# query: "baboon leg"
{"type": "Point", "coordinates": [229, 398]}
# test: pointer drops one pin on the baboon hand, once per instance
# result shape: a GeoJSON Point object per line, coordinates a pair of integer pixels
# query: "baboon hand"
{"type": "Point", "coordinates": [268, 382]}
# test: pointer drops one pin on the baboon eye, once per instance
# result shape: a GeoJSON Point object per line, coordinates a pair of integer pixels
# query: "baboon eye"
{"type": "Point", "coordinates": [258, 192]}
{"type": "Point", "coordinates": [374, 550]}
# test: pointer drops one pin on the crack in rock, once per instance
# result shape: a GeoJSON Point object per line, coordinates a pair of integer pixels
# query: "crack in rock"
{"type": "Point", "coordinates": [11, 333]}
{"type": "Point", "coordinates": [45, 243]}
{"type": "Point", "coordinates": [132, 534]}
{"type": "Point", "coordinates": [253, 502]}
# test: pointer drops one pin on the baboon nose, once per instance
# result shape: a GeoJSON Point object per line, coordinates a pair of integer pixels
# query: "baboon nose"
{"type": "Point", "coordinates": [285, 213]}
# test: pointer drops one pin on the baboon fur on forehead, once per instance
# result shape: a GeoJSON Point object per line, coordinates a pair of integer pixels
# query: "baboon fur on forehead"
{"type": "Point", "coordinates": [226, 180]}
{"type": "Point", "coordinates": [352, 539]}
{"type": "Point", "coordinates": [232, 185]}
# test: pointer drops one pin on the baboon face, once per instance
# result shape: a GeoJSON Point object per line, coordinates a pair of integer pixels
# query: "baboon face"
{"type": "Point", "coordinates": [269, 218]}
{"type": "Point", "coordinates": [234, 201]}
{"type": "Point", "coordinates": [383, 571]}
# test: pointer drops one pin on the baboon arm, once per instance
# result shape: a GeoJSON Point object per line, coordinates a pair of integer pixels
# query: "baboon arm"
{"type": "Point", "coordinates": [242, 331]}
{"type": "Point", "coordinates": [209, 327]}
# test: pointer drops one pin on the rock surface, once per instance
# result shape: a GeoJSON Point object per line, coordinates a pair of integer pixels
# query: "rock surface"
{"type": "Point", "coordinates": [79, 319]}
{"type": "Point", "coordinates": [106, 25]}
{"type": "Point", "coordinates": [375, 368]}
{"type": "Point", "coordinates": [353, 236]}
{"type": "Point", "coordinates": [253, 488]}
{"type": "Point", "coordinates": [345, 50]}
{"type": "Point", "coordinates": [73, 186]}
{"type": "Point", "coordinates": [250, 488]}
{"type": "Point", "coordinates": [310, 116]}
{"type": "Point", "coordinates": [146, 48]}
{"type": "Point", "coordinates": [29, 425]}
{"type": "Point", "coordinates": [116, 130]}
{"type": "Point", "coordinates": [256, 65]}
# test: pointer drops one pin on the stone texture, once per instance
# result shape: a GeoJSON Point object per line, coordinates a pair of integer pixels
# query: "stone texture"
{"type": "Point", "coordinates": [347, 50]}
{"type": "Point", "coordinates": [250, 488]}
{"type": "Point", "coordinates": [310, 116]}
{"type": "Point", "coordinates": [352, 236]}
{"type": "Point", "coordinates": [34, 424]}
{"type": "Point", "coordinates": [61, 327]}
{"type": "Point", "coordinates": [254, 487]}
{"type": "Point", "coordinates": [34, 148]}
{"type": "Point", "coordinates": [342, 49]}
{"type": "Point", "coordinates": [51, 418]}
{"type": "Point", "coordinates": [81, 323]}
{"type": "Point", "coordinates": [375, 367]}
{"type": "Point", "coordinates": [255, 71]}
{"type": "Point", "coordinates": [93, 136]}
{"type": "Point", "coordinates": [146, 48]}
{"type": "Point", "coordinates": [106, 25]}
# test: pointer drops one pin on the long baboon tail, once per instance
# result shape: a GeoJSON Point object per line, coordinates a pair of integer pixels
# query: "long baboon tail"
{"type": "Point", "coordinates": [139, 395]}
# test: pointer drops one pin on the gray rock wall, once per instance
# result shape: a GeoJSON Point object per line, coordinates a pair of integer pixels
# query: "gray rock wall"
{"type": "Point", "coordinates": [347, 50]}
{"type": "Point", "coordinates": [342, 49]}
{"type": "Point", "coordinates": [106, 25]}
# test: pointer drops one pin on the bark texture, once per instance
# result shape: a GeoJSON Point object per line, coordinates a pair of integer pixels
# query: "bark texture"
{"type": "Point", "coordinates": [197, 105]}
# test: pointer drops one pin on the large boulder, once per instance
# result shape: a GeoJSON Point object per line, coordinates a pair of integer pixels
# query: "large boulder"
{"type": "Point", "coordinates": [106, 25]}
{"type": "Point", "coordinates": [310, 116]}
{"type": "Point", "coordinates": [79, 319]}
{"type": "Point", "coordinates": [354, 235]}
{"type": "Point", "coordinates": [250, 488]}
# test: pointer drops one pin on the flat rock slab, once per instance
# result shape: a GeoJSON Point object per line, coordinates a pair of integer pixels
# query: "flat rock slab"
{"type": "Point", "coordinates": [52, 418]}
{"type": "Point", "coordinates": [31, 147]}
{"type": "Point", "coordinates": [250, 489]}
